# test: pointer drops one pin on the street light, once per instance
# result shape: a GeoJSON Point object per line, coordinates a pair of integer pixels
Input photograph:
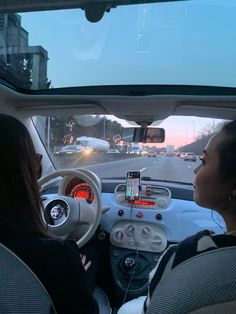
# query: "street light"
{"type": "Point", "coordinates": [213, 125]}
{"type": "Point", "coordinates": [186, 133]}
{"type": "Point", "coordinates": [104, 127]}
{"type": "Point", "coordinates": [48, 133]}
{"type": "Point", "coordinates": [193, 130]}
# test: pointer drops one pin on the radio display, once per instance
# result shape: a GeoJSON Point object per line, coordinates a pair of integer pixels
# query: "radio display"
{"type": "Point", "coordinates": [143, 203]}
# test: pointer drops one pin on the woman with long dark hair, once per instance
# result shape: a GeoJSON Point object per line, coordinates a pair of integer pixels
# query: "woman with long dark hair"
{"type": "Point", "coordinates": [57, 263]}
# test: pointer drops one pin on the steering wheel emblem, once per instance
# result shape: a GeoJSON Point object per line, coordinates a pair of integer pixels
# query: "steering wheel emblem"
{"type": "Point", "coordinates": [56, 212]}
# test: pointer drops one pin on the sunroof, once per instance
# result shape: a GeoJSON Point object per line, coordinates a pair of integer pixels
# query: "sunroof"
{"type": "Point", "coordinates": [183, 43]}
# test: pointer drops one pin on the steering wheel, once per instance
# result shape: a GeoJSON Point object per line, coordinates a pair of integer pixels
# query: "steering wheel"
{"type": "Point", "coordinates": [64, 215]}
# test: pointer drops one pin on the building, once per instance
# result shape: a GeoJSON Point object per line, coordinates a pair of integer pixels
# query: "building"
{"type": "Point", "coordinates": [26, 65]}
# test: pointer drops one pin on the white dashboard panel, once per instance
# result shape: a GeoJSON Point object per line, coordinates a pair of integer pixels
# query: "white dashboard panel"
{"type": "Point", "coordinates": [147, 237]}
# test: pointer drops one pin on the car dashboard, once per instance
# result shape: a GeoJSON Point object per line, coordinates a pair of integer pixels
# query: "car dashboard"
{"type": "Point", "coordinates": [168, 205]}
{"type": "Point", "coordinates": [138, 232]}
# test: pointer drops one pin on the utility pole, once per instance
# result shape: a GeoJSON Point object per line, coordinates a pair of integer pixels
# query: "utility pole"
{"type": "Point", "coordinates": [213, 125]}
{"type": "Point", "coordinates": [186, 133]}
{"type": "Point", "coordinates": [104, 127]}
{"type": "Point", "coordinates": [48, 133]}
{"type": "Point", "coordinates": [193, 130]}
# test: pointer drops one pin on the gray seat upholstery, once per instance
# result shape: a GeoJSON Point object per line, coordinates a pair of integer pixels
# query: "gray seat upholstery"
{"type": "Point", "coordinates": [203, 284]}
{"type": "Point", "coordinates": [21, 292]}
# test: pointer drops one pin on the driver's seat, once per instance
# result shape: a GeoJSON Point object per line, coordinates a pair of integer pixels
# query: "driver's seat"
{"type": "Point", "coordinates": [21, 292]}
{"type": "Point", "coordinates": [205, 283]}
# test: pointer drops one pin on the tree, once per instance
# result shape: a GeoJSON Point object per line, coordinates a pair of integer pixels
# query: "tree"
{"type": "Point", "coordinates": [210, 129]}
{"type": "Point", "coordinates": [64, 129]}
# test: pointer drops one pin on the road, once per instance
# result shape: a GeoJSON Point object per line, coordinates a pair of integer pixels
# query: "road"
{"type": "Point", "coordinates": [159, 168]}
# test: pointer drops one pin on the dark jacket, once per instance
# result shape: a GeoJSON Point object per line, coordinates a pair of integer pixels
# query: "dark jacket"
{"type": "Point", "coordinates": [58, 265]}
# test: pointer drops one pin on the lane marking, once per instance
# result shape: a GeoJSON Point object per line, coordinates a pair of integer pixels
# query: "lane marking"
{"type": "Point", "coordinates": [142, 169]}
{"type": "Point", "coordinates": [188, 166]}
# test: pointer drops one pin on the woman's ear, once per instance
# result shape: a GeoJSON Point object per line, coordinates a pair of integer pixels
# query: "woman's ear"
{"type": "Point", "coordinates": [233, 191]}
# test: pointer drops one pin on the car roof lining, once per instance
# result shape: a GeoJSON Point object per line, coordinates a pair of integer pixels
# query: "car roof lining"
{"type": "Point", "coordinates": [133, 108]}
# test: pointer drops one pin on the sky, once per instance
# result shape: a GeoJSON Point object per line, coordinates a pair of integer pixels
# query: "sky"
{"type": "Point", "coordinates": [180, 131]}
{"type": "Point", "coordinates": [185, 42]}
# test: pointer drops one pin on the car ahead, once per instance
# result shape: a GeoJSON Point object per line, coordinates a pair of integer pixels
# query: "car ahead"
{"type": "Point", "coordinates": [136, 151]}
{"type": "Point", "coordinates": [68, 150]}
{"type": "Point", "coordinates": [189, 157]}
{"type": "Point", "coordinates": [181, 156]}
{"type": "Point", "coordinates": [113, 151]}
{"type": "Point", "coordinates": [80, 77]}
{"type": "Point", "coordinates": [152, 153]}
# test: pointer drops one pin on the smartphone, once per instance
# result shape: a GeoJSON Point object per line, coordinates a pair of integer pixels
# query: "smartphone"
{"type": "Point", "coordinates": [132, 185]}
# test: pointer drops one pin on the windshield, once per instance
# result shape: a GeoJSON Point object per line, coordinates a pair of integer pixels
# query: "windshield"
{"type": "Point", "coordinates": [97, 145]}
{"type": "Point", "coordinates": [184, 42]}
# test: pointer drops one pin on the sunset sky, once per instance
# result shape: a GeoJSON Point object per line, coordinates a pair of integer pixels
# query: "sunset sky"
{"type": "Point", "coordinates": [180, 130]}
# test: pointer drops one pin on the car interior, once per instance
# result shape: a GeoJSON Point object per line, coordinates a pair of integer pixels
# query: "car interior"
{"type": "Point", "coordinates": [77, 73]}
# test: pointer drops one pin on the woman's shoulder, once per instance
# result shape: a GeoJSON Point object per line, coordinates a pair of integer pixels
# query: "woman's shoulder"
{"type": "Point", "coordinates": [198, 243]}
{"type": "Point", "coordinates": [194, 245]}
{"type": "Point", "coordinates": [203, 241]}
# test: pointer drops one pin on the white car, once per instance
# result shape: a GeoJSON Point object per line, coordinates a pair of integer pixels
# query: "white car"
{"type": "Point", "coordinates": [189, 157]}
{"type": "Point", "coordinates": [152, 153]}
{"type": "Point", "coordinates": [113, 151]}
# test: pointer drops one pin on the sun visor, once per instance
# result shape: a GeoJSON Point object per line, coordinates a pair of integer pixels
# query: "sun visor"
{"type": "Point", "coordinates": [68, 109]}
{"type": "Point", "coordinates": [206, 111]}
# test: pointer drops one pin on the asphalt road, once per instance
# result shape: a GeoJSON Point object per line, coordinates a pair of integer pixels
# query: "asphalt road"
{"type": "Point", "coordinates": [159, 168]}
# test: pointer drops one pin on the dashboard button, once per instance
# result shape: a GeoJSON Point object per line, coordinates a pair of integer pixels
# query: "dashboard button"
{"type": "Point", "coordinates": [115, 252]}
{"type": "Point", "coordinates": [120, 212]}
{"type": "Point", "coordinates": [139, 214]}
{"type": "Point", "coordinates": [156, 241]}
{"type": "Point", "coordinates": [101, 236]}
{"type": "Point", "coordinates": [146, 232]}
{"type": "Point", "coordinates": [158, 216]}
{"type": "Point", "coordinates": [118, 236]}
{"type": "Point", "coordinates": [129, 229]}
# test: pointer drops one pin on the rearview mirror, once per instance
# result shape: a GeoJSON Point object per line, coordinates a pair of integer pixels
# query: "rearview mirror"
{"type": "Point", "coordinates": [143, 135]}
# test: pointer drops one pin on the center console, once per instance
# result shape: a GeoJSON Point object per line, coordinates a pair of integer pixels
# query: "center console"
{"type": "Point", "coordinates": [135, 250]}
{"type": "Point", "coordinates": [135, 244]}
